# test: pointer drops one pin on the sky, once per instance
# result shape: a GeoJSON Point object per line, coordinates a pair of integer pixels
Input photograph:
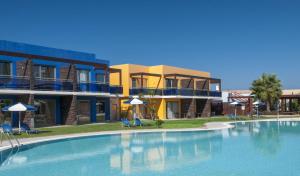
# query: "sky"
{"type": "Point", "coordinates": [235, 40]}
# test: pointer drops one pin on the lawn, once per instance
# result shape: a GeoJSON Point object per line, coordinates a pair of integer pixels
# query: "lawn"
{"type": "Point", "coordinates": [114, 126]}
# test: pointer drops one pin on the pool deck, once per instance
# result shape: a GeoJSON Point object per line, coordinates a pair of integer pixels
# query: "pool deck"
{"type": "Point", "coordinates": [208, 126]}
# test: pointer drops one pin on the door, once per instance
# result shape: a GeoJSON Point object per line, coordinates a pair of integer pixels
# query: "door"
{"type": "Point", "coordinates": [172, 110]}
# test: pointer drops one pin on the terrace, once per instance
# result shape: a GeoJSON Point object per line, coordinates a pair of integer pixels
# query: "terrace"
{"type": "Point", "coordinates": [25, 67]}
{"type": "Point", "coordinates": [175, 85]}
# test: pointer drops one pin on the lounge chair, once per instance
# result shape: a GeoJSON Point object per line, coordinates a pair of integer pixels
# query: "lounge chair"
{"type": "Point", "coordinates": [138, 122]}
{"type": "Point", "coordinates": [25, 128]}
{"type": "Point", "coordinates": [125, 122]}
{"type": "Point", "coordinates": [7, 129]}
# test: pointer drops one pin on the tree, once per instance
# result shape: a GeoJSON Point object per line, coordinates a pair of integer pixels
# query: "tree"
{"type": "Point", "coordinates": [152, 107]}
{"type": "Point", "coordinates": [151, 104]}
{"type": "Point", "coordinates": [267, 89]}
{"type": "Point", "coordinates": [295, 106]}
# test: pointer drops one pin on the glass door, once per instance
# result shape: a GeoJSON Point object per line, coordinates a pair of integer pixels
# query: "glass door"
{"type": "Point", "coordinates": [172, 110]}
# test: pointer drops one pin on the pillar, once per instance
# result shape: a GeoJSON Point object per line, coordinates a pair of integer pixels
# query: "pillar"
{"type": "Point", "coordinates": [93, 110]}
{"type": "Point", "coordinates": [107, 108]}
{"type": "Point", "coordinates": [29, 116]}
{"type": "Point", "coordinates": [72, 113]}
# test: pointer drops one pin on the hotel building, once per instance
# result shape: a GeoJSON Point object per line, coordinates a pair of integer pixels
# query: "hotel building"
{"type": "Point", "coordinates": [174, 92]}
{"type": "Point", "coordinates": [67, 87]}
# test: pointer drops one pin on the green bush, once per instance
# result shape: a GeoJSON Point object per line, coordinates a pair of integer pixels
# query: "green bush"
{"type": "Point", "coordinates": [158, 123]}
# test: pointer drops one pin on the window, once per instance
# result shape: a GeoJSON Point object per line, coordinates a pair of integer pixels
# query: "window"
{"type": "Point", "coordinates": [5, 68]}
{"type": "Point", "coordinates": [171, 83]}
{"type": "Point", "coordinates": [100, 78]}
{"type": "Point", "coordinates": [83, 75]}
{"type": "Point", "coordinates": [44, 71]}
{"type": "Point", "coordinates": [134, 82]}
{"type": "Point", "coordinates": [100, 107]}
{"type": "Point", "coordinates": [137, 83]}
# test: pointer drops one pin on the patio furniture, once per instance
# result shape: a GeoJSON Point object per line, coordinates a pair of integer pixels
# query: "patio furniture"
{"type": "Point", "coordinates": [25, 128]}
{"type": "Point", "coordinates": [125, 122]}
{"type": "Point", "coordinates": [138, 122]}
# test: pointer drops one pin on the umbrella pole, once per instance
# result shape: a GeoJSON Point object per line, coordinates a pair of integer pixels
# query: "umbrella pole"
{"type": "Point", "coordinates": [235, 111]}
{"type": "Point", "coordinates": [20, 122]}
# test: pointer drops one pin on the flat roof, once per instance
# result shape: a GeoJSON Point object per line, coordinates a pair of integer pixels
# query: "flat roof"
{"type": "Point", "coordinates": [36, 50]}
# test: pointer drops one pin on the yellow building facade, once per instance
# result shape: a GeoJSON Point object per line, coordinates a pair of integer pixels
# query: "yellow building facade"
{"type": "Point", "coordinates": [169, 92]}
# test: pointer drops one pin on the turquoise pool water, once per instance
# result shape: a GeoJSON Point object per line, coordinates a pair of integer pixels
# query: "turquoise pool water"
{"type": "Point", "coordinates": [250, 149]}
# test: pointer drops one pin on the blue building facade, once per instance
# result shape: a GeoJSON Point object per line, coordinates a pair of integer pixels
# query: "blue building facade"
{"type": "Point", "coordinates": [67, 87]}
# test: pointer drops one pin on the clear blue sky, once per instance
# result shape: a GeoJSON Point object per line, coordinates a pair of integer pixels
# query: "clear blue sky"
{"type": "Point", "coordinates": [236, 40]}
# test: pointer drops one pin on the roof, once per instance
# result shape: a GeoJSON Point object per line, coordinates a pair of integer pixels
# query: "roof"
{"type": "Point", "coordinates": [36, 50]}
{"type": "Point", "coordinates": [248, 92]}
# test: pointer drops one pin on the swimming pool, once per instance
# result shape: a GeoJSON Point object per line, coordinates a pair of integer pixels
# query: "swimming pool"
{"type": "Point", "coordinates": [251, 148]}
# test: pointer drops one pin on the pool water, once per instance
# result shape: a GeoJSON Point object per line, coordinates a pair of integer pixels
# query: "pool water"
{"type": "Point", "coordinates": [249, 149]}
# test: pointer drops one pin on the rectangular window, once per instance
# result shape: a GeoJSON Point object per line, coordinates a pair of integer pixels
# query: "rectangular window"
{"type": "Point", "coordinates": [100, 78]}
{"type": "Point", "coordinates": [44, 71]}
{"type": "Point", "coordinates": [171, 83]}
{"type": "Point", "coordinates": [137, 83]}
{"type": "Point", "coordinates": [83, 75]}
{"type": "Point", "coordinates": [100, 107]}
{"type": "Point", "coordinates": [5, 68]}
{"type": "Point", "coordinates": [134, 82]}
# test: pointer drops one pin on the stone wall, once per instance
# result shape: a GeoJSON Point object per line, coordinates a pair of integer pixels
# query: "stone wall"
{"type": "Point", "coordinates": [22, 68]}
{"type": "Point", "coordinates": [203, 107]}
{"type": "Point", "coordinates": [188, 108]}
{"type": "Point", "coordinates": [187, 83]}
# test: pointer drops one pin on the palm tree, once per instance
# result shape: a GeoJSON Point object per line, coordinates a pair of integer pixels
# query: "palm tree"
{"type": "Point", "coordinates": [268, 89]}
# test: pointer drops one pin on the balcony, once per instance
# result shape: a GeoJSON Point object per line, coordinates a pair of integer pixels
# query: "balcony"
{"type": "Point", "coordinates": [92, 87]}
{"type": "Point", "coordinates": [9, 82]}
{"type": "Point", "coordinates": [174, 92]}
{"type": "Point", "coordinates": [53, 84]}
{"type": "Point", "coordinates": [23, 83]}
{"type": "Point", "coordinates": [201, 92]}
{"type": "Point", "coordinates": [215, 94]}
{"type": "Point", "coordinates": [116, 89]}
{"type": "Point", "coordinates": [145, 91]}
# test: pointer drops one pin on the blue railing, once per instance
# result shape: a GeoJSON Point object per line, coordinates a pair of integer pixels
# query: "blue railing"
{"type": "Point", "coordinates": [53, 85]}
{"type": "Point", "coordinates": [116, 89]}
{"type": "Point", "coordinates": [201, 93]}
{"type": "Point", "coordinates": [8, 82]}
{"type": "Point", "coordinates": [47, 84]}
{"type": "Point", "coordinates": [171, 91]}
{"type": "Point", "coordinates": [215, 94]}
{"type": "Point", "coordinates": [181, 92]}
{"type": "Point", "coordinates": [92, 87]}
{"type": "Point", "coordinates": [145, 91]}
{"type": "Point", "coordinates": [66, 86]}
{"type": "Point", "coordinates": [186, 92]}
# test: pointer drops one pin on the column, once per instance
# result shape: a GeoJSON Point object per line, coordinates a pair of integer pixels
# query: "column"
{"type": "Point", "coordinates": [28, 119]}
{"type": "Point", "coordinates": [72, 113]}
{"type": "Point", "coordinates": [107, 108]}
{"type": "Point", "coordinates": [93, 110]}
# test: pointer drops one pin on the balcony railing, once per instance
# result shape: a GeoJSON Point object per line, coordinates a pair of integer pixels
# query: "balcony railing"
{"type": "Point", "coordinates": [9, 82]}
{"type": "Point", "coordinates": [145, 91]}
{"type": "Point", "coordinates": [215, 94]}
{"type": "Point", "coordinates": [174, 92]}
{"type": "Point", "coordinates": [201, 93]}
{"type": "Point", "coordinates": [92, 87]}
{"type": "Point", "coordinates": [53, 84]}
{"type": "Point", "coordinates": [116, 89]}
{"type": "Point", "coordinates": [43, 84]}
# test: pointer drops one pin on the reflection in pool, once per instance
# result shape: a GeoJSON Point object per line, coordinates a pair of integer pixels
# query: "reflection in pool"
{"type": "Point", "coordinates": [259, 148]}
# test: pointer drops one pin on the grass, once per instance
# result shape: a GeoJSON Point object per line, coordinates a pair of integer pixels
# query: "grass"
{"type": "Point", "coordinates": [114, 126]}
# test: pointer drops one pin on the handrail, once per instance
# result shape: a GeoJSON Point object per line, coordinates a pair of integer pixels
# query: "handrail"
{"type": "Point", "coordinates": [177, 91]}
